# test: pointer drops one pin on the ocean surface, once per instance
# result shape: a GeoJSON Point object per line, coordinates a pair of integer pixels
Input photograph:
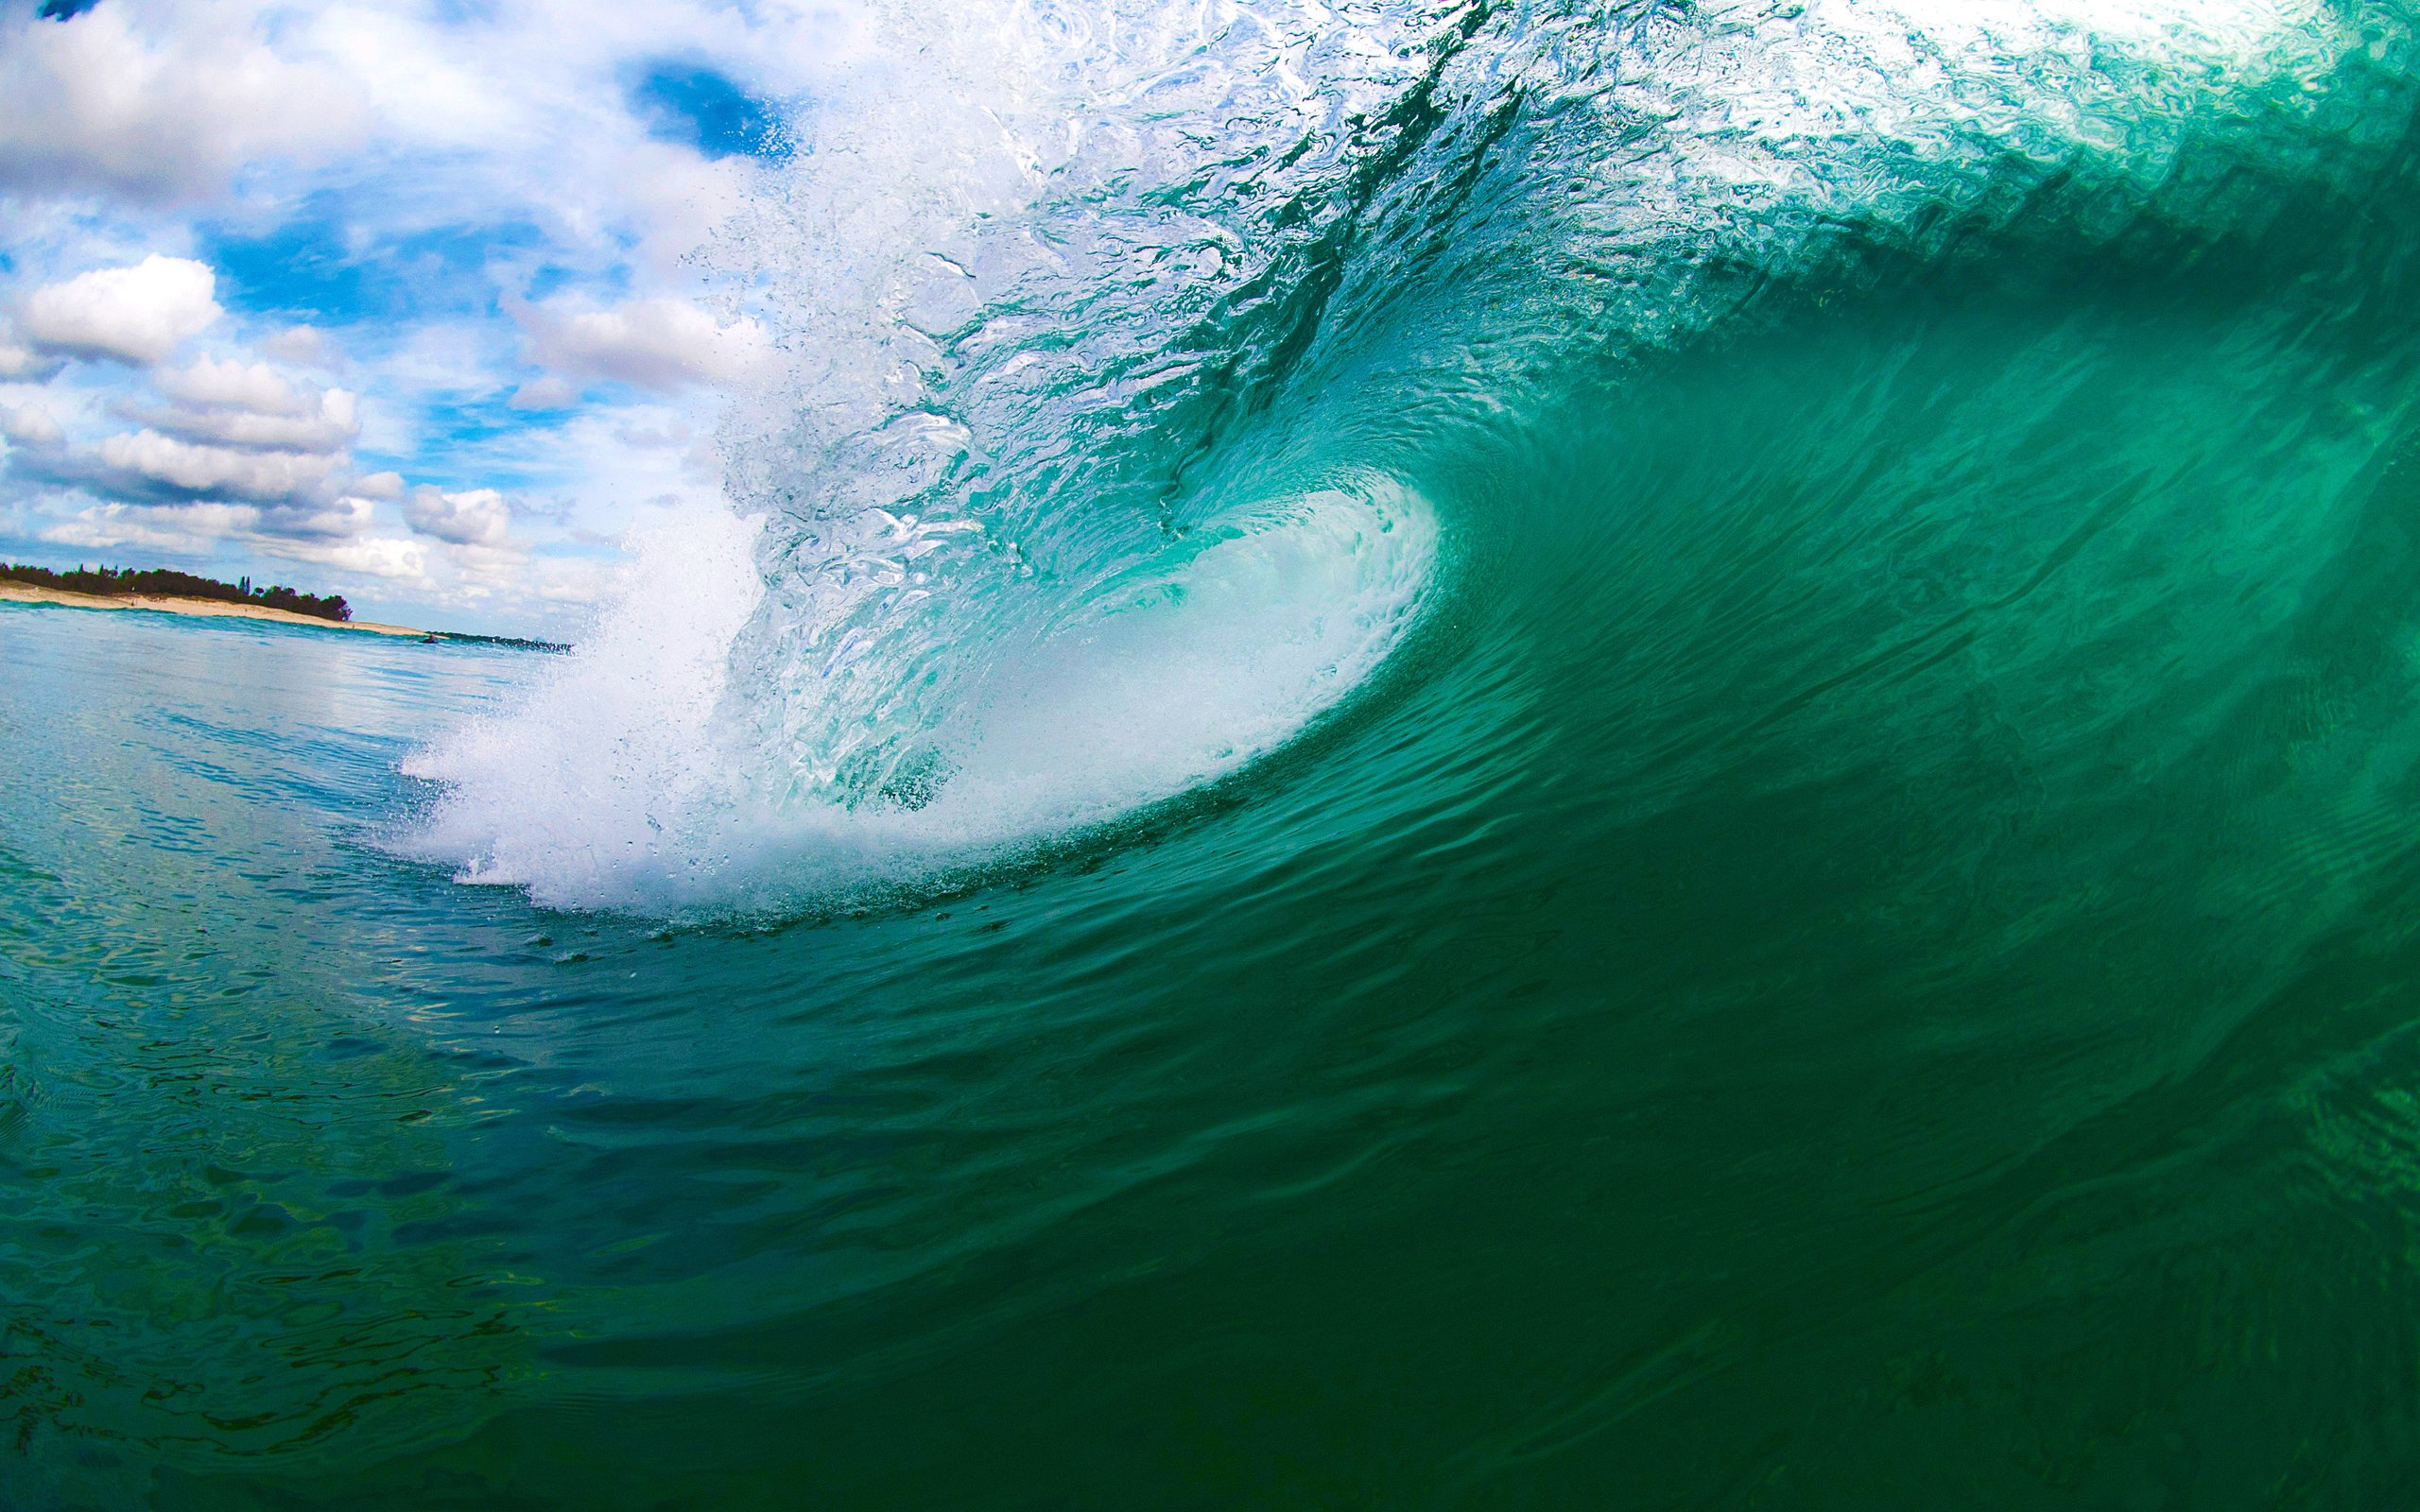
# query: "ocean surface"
{"type": "Point", "coordinates": [1639, 756]}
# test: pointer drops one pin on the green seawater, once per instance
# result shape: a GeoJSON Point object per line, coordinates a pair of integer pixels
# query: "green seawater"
{"type": "Point", "coordinates": [1862, 950]}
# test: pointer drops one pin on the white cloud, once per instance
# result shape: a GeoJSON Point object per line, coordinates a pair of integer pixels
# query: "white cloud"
{"type": "Point", "coordinates": [256, 386]}
{"type": "Point", "coordinates": [343, 518]}
{"type": "Point", "coordinates": [20, 363]}
{"type": "Point", "coordinates": [147, 456]}
{"type": "Point", "coordinates": [659, 343]}
{"type": "Point", "coordinates": [306, 345]}
{"type": "Point", "coordinates": [30, 425]}
{"type": "Point", "coordinates": [196, 529]}
{"type": "Point", "coordinates": [237, 433]}
{"type": "Point", "coordinates": [477, 518]}
{"type": "Point", "coordinates": [135, 314]}
{"type": "Point", "coordinates": [394, 557]}
{"type": "Point", "coordinates": [549, 392]}
{"type": "Point", "coordinates": [156, 104]}
{"type": "Point", "coordinates": [330, 428]}
{"type": "Point", "coordinates": [188, 529]}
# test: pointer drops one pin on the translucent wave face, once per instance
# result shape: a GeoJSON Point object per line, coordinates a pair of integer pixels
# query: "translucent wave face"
{"type": "Point", "coordinates": [1049, 277]}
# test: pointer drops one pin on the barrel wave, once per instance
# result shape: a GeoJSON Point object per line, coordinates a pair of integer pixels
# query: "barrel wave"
{"type": "Point", "coordinates": [1649, 755]}
{"type": "Point", "coordinates": [1155, 378]}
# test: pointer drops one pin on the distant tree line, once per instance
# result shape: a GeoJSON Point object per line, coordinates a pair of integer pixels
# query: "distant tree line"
{"type": "Point", "coordinates": [169, 583]}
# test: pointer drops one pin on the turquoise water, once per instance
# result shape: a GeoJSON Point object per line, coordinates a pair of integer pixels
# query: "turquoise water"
{"type": "Point", "coordinates": [1694, 814]}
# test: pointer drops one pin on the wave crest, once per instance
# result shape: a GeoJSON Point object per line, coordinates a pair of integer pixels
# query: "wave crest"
{"type": "Point", "coordinates": [1068, 294]}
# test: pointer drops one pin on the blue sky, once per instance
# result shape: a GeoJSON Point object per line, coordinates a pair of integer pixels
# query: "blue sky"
{"type": "Point", "coordinates": [399, 300]}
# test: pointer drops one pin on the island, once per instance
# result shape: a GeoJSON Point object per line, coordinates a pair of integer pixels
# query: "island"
{"type": "Point", "coordinates": [170, 591]}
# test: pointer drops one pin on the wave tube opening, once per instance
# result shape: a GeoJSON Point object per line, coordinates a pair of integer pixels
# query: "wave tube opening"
{"type": "Point", "coordinates": [1172, 672]}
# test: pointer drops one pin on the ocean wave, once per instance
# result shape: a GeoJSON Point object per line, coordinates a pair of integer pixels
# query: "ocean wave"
{"type": "Point", "coordinates": [1136, 358]}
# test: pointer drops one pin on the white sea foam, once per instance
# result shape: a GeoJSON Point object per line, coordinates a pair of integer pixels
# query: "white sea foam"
{"type": "Point", "coordinates": [584, 788]}
{"type": "Point", "coordinates": [619, 782]}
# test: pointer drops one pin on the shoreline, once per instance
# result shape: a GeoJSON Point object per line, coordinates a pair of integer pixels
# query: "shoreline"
{"type": "Point", "coordinates": [16, 593]}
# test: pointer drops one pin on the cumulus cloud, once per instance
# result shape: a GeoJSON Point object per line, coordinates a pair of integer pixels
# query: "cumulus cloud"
{"type": "Point", "coordinates": [134, 314]}
{"type": "Point", "coordinates": [255, 387]}
{"type": "Point", "coordinates": [329, 425]}
{"type": "Point", "coordinates": [20, 363]}
{"type": "Point", "coordinates": [337, 536]}
{"type": "Point", "coordinates": [30, 425]}
{"type": "Point", "coordinates": [230, 450]}
{"type": "Point", "coordinates": [477, 518]}
{"type": "Point", "coordinates": [660, 344]}
{"type": "Point", "coordinates": [158, 112]}
{"type": "Point", "coordinates": [188, 529]}
{"type": "Point", "coordinates": [148, 461]}
{"type": "Point", "coordinates": [341, 517]}
{"type": "Point", "coordinates": [395, 558]}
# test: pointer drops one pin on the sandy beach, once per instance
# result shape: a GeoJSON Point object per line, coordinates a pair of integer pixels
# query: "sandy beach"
{"type": "Point", "coordinates": [15, 592]}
